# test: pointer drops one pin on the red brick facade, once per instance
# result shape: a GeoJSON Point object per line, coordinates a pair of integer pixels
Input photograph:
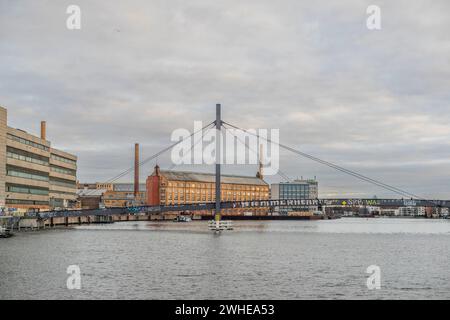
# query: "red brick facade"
{"type": "Point", "coordinates": [153, 197]}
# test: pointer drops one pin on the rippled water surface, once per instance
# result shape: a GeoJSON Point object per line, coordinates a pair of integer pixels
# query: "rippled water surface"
{"type": "Point", "coordinates": [258, 260]}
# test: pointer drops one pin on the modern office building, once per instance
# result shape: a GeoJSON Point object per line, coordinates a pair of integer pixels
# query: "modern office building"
{"type": "Point", "coordinates": [33, 175]}
{"type": "Point", "coordinates": [167, 187]}
{"type": "Point", "coordinates": [297, 189]}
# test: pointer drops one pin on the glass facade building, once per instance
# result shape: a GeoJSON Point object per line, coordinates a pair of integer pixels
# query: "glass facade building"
{"type": "Point", "coordinates": [297, 189]}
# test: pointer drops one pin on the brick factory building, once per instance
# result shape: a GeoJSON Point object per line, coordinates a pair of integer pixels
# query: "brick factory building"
{"type": "Point", "coordinates": [167, 187]}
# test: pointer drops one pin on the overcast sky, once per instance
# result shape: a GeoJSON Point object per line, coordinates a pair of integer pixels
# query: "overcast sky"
{"type": "Point", "coordinates": [376, 102]}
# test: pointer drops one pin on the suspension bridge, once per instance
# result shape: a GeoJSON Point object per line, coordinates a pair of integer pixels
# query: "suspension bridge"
{"type": "Point", "coordinates": [214, 208]}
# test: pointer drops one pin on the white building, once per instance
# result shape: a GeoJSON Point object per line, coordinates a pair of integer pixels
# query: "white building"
{"type": "Point", "coordinates": [412, 211]}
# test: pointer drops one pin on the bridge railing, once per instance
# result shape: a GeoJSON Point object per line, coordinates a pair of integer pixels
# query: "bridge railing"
{"type": "Point", "coordinates": [157, 209]}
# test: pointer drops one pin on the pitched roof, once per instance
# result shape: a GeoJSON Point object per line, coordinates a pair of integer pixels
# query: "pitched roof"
{"type": "Point", "coordinates": [211, 177]}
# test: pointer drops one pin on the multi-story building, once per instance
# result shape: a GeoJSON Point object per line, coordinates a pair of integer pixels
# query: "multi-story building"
{"type": "Point", "coordinates": [177, 187]}
{"type": "Point", "coordinates": [297, 189]}
{"type": "Point", "coordinates": [33, 175]}
{"type": "Point", "coordinates": [412, 211]}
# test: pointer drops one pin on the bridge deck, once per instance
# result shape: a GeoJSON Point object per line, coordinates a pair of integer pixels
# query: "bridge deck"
{"type": "Point", "coordinates": [250, 204]}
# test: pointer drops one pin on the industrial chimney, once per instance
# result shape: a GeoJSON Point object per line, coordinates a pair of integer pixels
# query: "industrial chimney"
{"type": "Point", "coordinates": [43, 130]}
{"type": "Point", "coordinates": [136, 171]}
{"type": "Point", "coordinates": [259, 174]}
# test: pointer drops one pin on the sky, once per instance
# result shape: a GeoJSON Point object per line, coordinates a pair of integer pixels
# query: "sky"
{"type": "Point", "coordinates": [373, 101]}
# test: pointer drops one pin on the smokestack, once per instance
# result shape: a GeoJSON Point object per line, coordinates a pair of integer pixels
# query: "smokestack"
{"type": "Point", "coordinates": [43, 130]}
{"type": "Point", "coordinates": [136, 171]}
{"type": "Point", "coordinates": [260, 159]}
{"type": "Point", "coordinates": [261, 175]}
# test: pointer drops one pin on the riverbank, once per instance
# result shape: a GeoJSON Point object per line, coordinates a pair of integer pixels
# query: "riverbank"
{"type": "Point", "coordinates": [35, 224]}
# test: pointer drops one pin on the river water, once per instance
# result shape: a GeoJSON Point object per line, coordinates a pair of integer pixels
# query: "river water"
{"type": "Point", "coordinates": [258, 260]}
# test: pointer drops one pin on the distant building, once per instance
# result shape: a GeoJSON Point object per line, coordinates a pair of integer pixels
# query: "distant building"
{"type": "Point", "coordinates": [33, 175]}
{"type": "Point", "coordinates": [115, 194]}
{"type": "Point", "coordinates": [122, 195]}
{"type": "Point", "coordinates": [90, 198]}
{"type": "Point", "coordinates": [412, 211]}
{"type": "Point", "coordinates": [389, 212]}
{"type": "Point", "coordinates": [178, 187]}
{"type": "Point", "coordinates": [297, 189]}
{"type": "Point", "coordinates": [369, 211]}
{"type": "Point", "coordinates": [436, 212]}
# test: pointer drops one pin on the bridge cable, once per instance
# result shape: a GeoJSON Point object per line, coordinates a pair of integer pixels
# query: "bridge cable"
{"type": "Point", "coordinates": [336, 167]}
{"type": "Point", "coordinates": [357, 175]}
{"type": "Point", "coordinates": [280, 173]}
{"type": "Point", "coordinates": [124, 173]}
{"type": "Point", "coordinates": [193, 146]}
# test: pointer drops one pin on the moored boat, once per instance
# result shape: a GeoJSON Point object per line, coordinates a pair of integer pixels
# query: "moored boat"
{"type": "Point", "coordinates": [182, 219]}
{"type": "Point", "coordinates": [5, 232]}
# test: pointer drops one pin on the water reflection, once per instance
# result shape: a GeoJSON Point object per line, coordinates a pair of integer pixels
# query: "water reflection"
{"type": "Point", "coordinates": [257, 260]}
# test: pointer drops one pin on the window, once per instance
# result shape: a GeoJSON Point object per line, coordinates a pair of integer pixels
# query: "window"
{"type": "Point", "coordinates": [63, 170]}
{"type": "Point", "coordinates": [26, 174]}
{"type": "Point", "coordinates": [26, 202]}
{"type": "Point", "coordinates": [26, 189]}
{"type": "Point", "coordinates": [17, 154]}
{"type": "Point", "coordinates": [63, 183]}
{"type": "Point", "coordinates": [27, 142]}
{"type": "Point", "coordinates": [62, 159]}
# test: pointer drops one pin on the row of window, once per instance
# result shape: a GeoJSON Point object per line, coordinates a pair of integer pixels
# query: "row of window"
{"type": "Point", "coordinates": [63, 170]}
{"type": "Point", "coordinates": [203, 197]}
{"type": "Point", "coordinates": [26, 202]}
{"type": "Point", "coordinates": [293, 193]}
{"type": "Point", "coordinates": [62, 159]}
{"type": "Point", "coordinates": [26, 189]}
{"type": "Point", "coordinates": [211, 192]}
{"type": "Point", "coordinates": [28, 142]}
{"type": "Point", "coordinates": [26, 174]}
{"type": "Point", "coordinates": [36, 175]}
{"type": "Point", "coordinates": [63, 183]}
{"type": "Point", "coordinates": [212, 186]}
{"type": "Point", "coordinates": [61, 193]}
{"type": "Point", "coordinates": [294, 188]}
{"type": "Point", "coordinates": [26, 156]}
{"type": "Point", "coordinates": [295, 197]}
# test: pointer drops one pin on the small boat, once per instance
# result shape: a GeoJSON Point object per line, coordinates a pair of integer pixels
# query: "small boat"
{"type": "Point", "coordinates": [220, 225]}
{"type": "Point", "coordinates": [182, 219]}
{"type": "Point", "coordinates": [5, 232]}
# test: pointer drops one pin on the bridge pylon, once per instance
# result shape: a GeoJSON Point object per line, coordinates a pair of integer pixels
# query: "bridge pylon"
{"type": "Point", "coordinates": [217, 215]}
